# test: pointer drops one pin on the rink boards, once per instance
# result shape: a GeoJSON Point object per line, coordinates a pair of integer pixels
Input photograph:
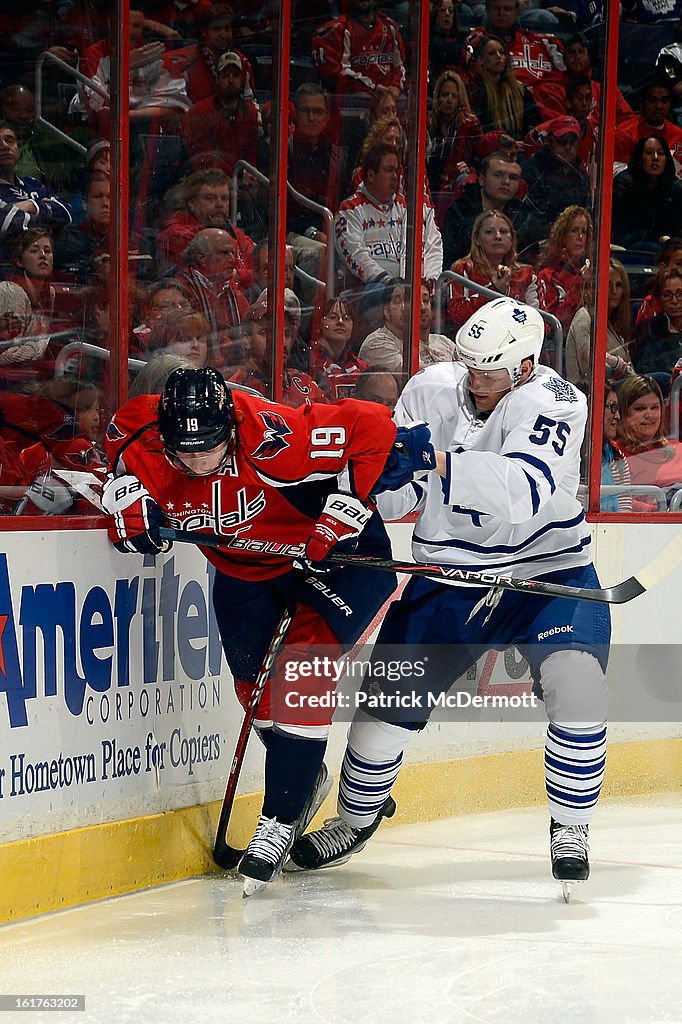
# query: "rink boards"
{"type": "Point", "coordinates": [117, 717]}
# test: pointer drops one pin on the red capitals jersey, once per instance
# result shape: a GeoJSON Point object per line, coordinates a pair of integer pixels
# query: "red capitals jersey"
{"type": "Point", "coordinates": [272, 491]}
{"type": "Point", "coordinates": [352, 58]}
{"type": "Point", "coordinates": [534, 55]}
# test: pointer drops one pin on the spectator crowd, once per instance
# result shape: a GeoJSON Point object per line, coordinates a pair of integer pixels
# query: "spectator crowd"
{"type": "Point", "coordinates": [509, 184]}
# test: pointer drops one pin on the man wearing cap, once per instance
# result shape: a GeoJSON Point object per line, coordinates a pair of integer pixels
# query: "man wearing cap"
{"type": "Point", "coordinates": [556, 177]}
{"type": "Point", "coordinates": [497, 188]}
{"type": "Point", "coordinates": [198, 63]}
{"type": "Point", "coordinates": [579, 106]}
{"type": "Point", "coordinates": [223, 128]}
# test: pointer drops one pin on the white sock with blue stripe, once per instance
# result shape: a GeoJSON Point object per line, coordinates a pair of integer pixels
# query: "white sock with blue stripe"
{"type": "Point", "coordinates": [575, 759]}
{"type": "Point", "coordinates": [370, 767]}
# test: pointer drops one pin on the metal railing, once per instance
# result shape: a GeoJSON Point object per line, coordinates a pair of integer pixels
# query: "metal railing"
{"type": "Point", "coordinates": [86, 349]}
{"type": "Point", "coordinates": [325, 213]}
{"type": "Point", "coordinates": [675, 392]}
{"type": "Point", "coordinates": [83, 79]}
{"type": "Point", "coordinates": [556, 335]}
{"type": "Point", "coordinates": [659, 494]}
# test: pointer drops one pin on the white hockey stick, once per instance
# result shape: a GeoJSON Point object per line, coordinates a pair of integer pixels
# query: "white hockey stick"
{"type": "Point", "coordinates": [621, 593]}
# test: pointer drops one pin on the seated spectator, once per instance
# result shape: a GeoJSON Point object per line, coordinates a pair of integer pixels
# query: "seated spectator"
{"type": "Point", "coordinates": [578, 105]}
{"type": "Point", "coordinates": [491, 261]}
{"type": "Point", "coordinates": [223, 128]}
{"type": "Point", "coordinates": [211, 280]}
{"type": "Point", "coordinates": [565, 263]}
{"type": "Point", "coordinates": [652, 458]}
{"type": "Point", "coordinates": [298, 350]}
{"type": "Point", "coordinates": [298, 387]}
{"type": "Point", "coordinates": [154, 92]}
{"type": "Point", "coordinates": [22, 342]}
{"type": "Point", "coordinates": [647, 198]}
{"type": "Point", "coordinates": [670, 255]}
{"type": "Point", "coordinates": [614, 466]}
{"type": "Point", "coordinates": [535, 56]}
{"type": "Point", "coordinates": [454, 132]}
{"type": "Point", "coordinates": [151, 379]}
{"type": "Point", "coordinates": [197, 63]}
{"type": "Point", "coordinates": [161, 297]}
{"type": "Point", "coordinates": [360, 51]}
{"type": "Point", "coordinates": [24, 202]}
{"type": "Point", "coordinates": [658, 340]}
{"type": "Point", "coordinates": [556, 177]}
{"type": "Point", "coordinates": [33, 263]}
{"type": "Point", "coordinates": [550, 93]}
{"type": "Point", "coordinates": [371, 227]}
{"type": "Point", "coordinates": [655, 106]}
{"type": "Point", "coordinates": [502, 102]}
{"type": "Point", "coordinates": [184, 333]}
{"type": "Point", "coordinates": [206, 204]}
{"type": "Point", "coordinates": [385, 131]}
{"type": "Point", "coordinates": [260, 264]}
{"type": "Point", "coordinates": [446, 46]}
{"type": "Point", "coordinates": [78, 250]}
{"type": "Point", "coordinates": [74, 446]}
{"type": "Point", "coordinates": [375, 385]}
{"type": "Point", "coordinates": [580, 336]}
{"type": "Point", "coordinates": [331, 350]}
{"type": "Point", "coordinates": [433, 348]}
{"type": "Point", "coordinates": [318, 170]}
{"type": "Point", "coordinates": [383, 348]}
{"type": "Point", "coordinates": [497, 188]}
{"type": "Point", "coordinates": [42, 155]}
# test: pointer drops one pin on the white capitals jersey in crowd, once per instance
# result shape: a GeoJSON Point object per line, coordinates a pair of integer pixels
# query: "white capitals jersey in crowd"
{"type": "Point", "coordinates": [508, 503]}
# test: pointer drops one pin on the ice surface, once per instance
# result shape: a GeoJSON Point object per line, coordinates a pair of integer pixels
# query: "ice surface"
{"type": "Point", "coordinates": [450, 922]}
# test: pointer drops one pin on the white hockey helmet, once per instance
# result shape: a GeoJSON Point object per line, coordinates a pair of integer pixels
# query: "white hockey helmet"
{"type": "Point", "coordinates": [500, 335]}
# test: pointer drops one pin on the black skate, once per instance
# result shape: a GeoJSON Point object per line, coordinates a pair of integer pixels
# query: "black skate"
{"type": "Point", "coordinates": [569, 847]}
{"type": "Point", "coordinates": [335, 843]}
{"type": "Point", "coordinates": [263, 859]}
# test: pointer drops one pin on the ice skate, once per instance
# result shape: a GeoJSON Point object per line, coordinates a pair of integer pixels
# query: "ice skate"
{"type": "Point", "coordinates": [569, 847]}
{"type": "Point", "coordinates": [335, 843]}
{"type": "Point", "coordinates": [262, 862]}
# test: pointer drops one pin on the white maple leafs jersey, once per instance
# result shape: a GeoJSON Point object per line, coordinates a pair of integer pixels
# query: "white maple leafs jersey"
{"type": "Point", "coordinates": [508, 502]}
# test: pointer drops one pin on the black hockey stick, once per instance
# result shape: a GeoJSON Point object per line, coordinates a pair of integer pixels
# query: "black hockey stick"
{"type": "Point", "coordinates": [224, 855]}
{"type": "Point", "coordinates": [618, 594]}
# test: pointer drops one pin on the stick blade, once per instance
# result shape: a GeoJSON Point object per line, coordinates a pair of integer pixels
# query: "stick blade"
{"type": "Point", "coordinates": [226, 857]}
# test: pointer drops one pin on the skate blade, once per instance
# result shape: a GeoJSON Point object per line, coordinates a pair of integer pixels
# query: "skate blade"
{"type": "Point", "coordinates": [568, 888]}
{"type": "Point", "coordinates": [252, 886]}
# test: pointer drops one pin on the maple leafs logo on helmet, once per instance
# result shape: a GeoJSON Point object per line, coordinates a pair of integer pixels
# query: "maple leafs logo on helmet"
{"type": "Point", "coordinates": [500, 335]}
{"type": "Point", "coordinates": [195, 411]}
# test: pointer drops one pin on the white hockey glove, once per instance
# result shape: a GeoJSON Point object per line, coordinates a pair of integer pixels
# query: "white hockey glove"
{"type": "Point", "coordinates": [135, 516]}
{"type": "Point", "coordinates": [50, 497]}
{"type": "Point", "coordinates": [411, 456]}
{"type": "Point", "coordinates": [342, 521]}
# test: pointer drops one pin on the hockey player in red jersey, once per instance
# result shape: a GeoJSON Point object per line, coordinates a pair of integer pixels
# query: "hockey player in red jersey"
{"type": "Point", "coordinates": [273, 482]}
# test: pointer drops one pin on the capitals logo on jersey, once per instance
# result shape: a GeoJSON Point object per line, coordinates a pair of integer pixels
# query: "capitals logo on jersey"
{"type": "Point", "coordinates": [276, 429]}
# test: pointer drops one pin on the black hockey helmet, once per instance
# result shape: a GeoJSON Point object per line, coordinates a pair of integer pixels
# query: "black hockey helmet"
{"type": "Point", "coordinates": [195, 411]}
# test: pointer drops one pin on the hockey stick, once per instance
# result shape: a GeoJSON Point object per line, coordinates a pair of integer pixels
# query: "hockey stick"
{"type": "Point", "coordinates": [621, 593]}
{"type": "Point", "coordinates": [224, 855]}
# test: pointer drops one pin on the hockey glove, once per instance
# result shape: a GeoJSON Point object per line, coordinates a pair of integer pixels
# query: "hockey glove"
{"type": "Point", "coordinates": [46, 496]}
{"type": "Point", "coordinates": [342, 521]}
{"type": "Point", "coordinates": [411, 456]}
{"type": "Point", "coordinates": [135, 516]}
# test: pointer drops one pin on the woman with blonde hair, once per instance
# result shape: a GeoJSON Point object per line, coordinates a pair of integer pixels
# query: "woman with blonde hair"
{"type": "Point", "coordinates": [502, 103]}
{"type": "Point", "coordinates": [618, 332]}
{"type": "Point", "coordinates": [491, 261]}
{"type": "Point", "coordinates": [565, 263]}
{"type": "Point", "coordinates": [454, 133]}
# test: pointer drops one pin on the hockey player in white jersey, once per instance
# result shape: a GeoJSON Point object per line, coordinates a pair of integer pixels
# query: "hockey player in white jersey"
{"type": "Point", "coordinates": [507, 434]}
